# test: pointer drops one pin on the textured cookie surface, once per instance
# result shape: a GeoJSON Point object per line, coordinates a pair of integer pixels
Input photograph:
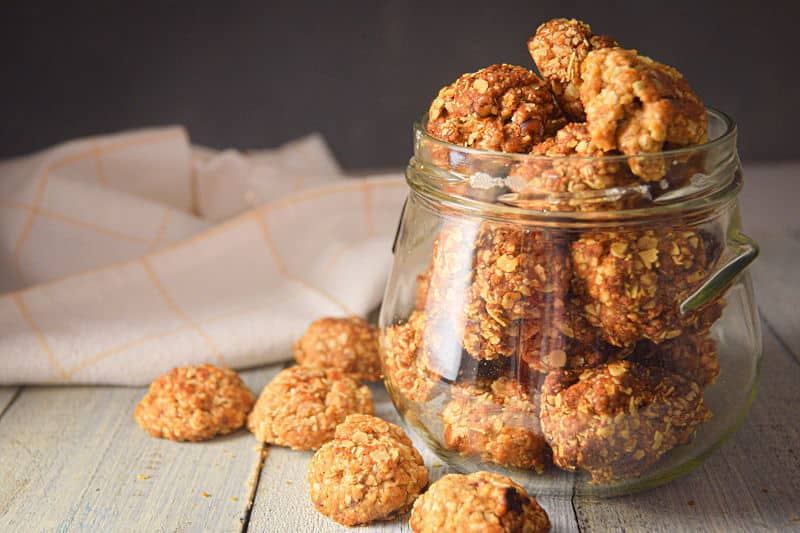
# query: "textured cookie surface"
{"type": "Point", "coordinates": [370, 471]}
{"type": "Point", "coordinates": [482, 502]}
{"type": "Point", "coordinates": [194, 403]}
{"type": "Point", "coordinates": [301, 407]}
{"type": "Point", "coordinates": [615, 421]}
{"type": "Point", "coordinates": [502, 107]}
{"type": "Point", "coordinates": [499, 423]}
{"type": "Point", "coordinates": [558, 48]}
{"type": "Point", "coordinates": [347, 344]}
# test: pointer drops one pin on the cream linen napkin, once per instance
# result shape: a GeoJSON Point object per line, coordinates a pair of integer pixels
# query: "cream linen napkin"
{"type": "Point", "coordinates": [123, 256]}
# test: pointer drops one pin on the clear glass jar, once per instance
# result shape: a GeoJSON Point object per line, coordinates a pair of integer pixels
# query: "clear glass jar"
{"type": "Point", "coordinates": [578, 340]}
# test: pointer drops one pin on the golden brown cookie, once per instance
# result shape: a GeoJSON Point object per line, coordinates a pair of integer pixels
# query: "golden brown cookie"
{"type": "Point", "coordinates": [692, 355]}
{"type": "Point", "coordinates": [347, 344]}
{"type": "Point", "coordinates": [407, 359]}
{"type": "Point", "coordinates": [558, 48]}
{"type": "Point", "coordinates": [631, 284]}
{"type": "Point", "coordinates": [498, 422]}
{"type": "Point", "coordinates": [519, 274]}
{"type": "Point", "coordinates": [301, 407]}
{"type": "Point", "coordinates": [571, 163]}
{"type": "Point", "coordinates": [639, 106]}
{"type": "Point", "coordinates": [617, 420]}
{"type": "Point", "coordinates": [484, 502]}
{"type": "Point", "coordinates": [502, 107]}
{"type": "Point", "coordinates": [369, 471]}
{"type": "Point", "coordinates": [194, 403]}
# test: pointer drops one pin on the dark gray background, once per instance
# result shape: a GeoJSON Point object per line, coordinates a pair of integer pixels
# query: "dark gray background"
{"type": "Point", "coordinates": [255, 74]}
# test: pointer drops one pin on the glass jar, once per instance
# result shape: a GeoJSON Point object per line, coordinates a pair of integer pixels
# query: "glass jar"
{"type": "Point", "coordinates": [577, 339]}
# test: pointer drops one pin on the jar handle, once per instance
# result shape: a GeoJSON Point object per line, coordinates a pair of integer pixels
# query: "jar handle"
{"type": "Point", "coordinates": [741, 251]}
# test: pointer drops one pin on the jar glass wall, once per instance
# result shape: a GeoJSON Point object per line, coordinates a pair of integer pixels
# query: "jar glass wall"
{"type": "Point", "coordinates": [598, 341]}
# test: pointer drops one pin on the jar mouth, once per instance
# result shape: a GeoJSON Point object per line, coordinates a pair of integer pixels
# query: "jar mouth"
{"type": "Point", "coordinates": [697, 176]}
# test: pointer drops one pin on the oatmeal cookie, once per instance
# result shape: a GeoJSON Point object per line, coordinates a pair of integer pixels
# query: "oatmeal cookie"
{"type": "Point", "coordinates": [518, 275]}
{"type": "Point", "coordinates": [407, 359]}
{"type": "Point", "coordinates": [194, 403]}
{"type": "Point", "coordinates": [558, 48]}
{"type": "Point", "coordinates": [639, 106]}
{"type": "Point", "coordinates": [692, 355]}
{"type": "Point", "coordinates": [615, 421]}
{"type": "Point", "coordinates": [567, 169]}
{"type": "Point", "coordinates": [369, 471]}
{"type": "Point", "coordinates": [489, 503]}
{"type": "Point", "coordinates": [632, 283]}
{"type": "Point", "coordinates": [348, 344]}
{"type": "Point", "coordinates": [502, 107]}
{"type": "Point", "coordinates": [498, 422]}
{"type": "Point", "coordinates": [301, 407]}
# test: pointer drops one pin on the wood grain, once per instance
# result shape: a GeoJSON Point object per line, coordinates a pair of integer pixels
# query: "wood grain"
{"type": "Point", "coordinates": [7, 395]}
{"type": "Point", "coordinates": [75, 460]}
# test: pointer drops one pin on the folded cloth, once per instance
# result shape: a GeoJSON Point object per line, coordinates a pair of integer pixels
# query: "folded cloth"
{"type": "Point", "coordinates": [123, 256]}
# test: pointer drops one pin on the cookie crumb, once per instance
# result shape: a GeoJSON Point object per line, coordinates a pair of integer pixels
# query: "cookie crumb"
{"type": "Point", "coordinates": [205, 494]}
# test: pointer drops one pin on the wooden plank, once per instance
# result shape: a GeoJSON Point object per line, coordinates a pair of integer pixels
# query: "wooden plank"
{"type": "Point", "coordinates": [777, 287]}
{"type": "Point", "coordinates": [751, 484]}
{"type": "Point", "coordinates": [769, 215]}
{"type": "Point", "coordinates": [7, 395]}
{"type": "Point", "coordinates": [75, 460]}
{"type": "Point", "coordinates": [282, 502]}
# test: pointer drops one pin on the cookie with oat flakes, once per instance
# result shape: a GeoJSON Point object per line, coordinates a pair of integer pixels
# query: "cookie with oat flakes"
{"type": "Point", "coordinates": [301, 407]}
{"type": "Point", "coordinates": [482, 501]}
{"type": "Point", "coordinates": [498, 422]}
{"type": "Point", "coordinates": [558, 48]}
{"type": "Point", "coordinates": [639, 106]}
{"type": "Point", "coordinates": [567, 168]}
{"type": "Point", "coordinates": [502, 107]}
{"type": "Point", "coordinates": [370, 471]}
{"type": "Point", "coordinates": [631, 284]}
{"type": "Point", "coordinates": [617, 420]}
{"type": "Point", "coordinates": [407, 359]}
{"type": "Point", "coordinates": [194, 403]}
{"type": "Point", "coordinates": [347, 344]}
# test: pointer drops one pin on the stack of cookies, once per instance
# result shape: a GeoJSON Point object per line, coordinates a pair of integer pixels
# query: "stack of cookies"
{"type": "Point", "coordinates": [547, 345]}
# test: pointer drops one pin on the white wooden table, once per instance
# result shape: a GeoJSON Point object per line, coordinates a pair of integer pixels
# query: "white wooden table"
{"type": "Point", "coordinates": [73, 459]}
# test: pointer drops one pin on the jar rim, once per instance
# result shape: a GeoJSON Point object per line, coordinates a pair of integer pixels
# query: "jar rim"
{"type": "Point", "coordinates": [717, 187]}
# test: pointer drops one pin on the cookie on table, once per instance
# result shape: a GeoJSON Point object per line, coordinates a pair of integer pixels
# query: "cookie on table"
{"type": "Point", "coordinates": [502, 107]}
{"type": "Point", "coordinates": [497, 422]}
{"type": "Point", "coordinates": [347, 344]}
{"type": "Point", "coordinates": [617, 420]}
{"type": "Point", "coordinates": [558, 48]}
{"type": "Point", "coordinates": [370, 471]}
{"type": "Point", "coordinates": [301, 407]}
{"type": "Point", "coordinates": [194, 403]}
{"type": "Point", "coordinates": [484, 502]}
{"type": "Point", "coordinates": [638, 106]}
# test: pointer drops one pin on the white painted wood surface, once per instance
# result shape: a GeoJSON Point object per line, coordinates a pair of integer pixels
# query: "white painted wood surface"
{"type": "Point", "coordinates": [70, 458]}
{"type": "Point", "coordinates": [7, 395]}
{"type": "Point", "coordinates": [73, 459]}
